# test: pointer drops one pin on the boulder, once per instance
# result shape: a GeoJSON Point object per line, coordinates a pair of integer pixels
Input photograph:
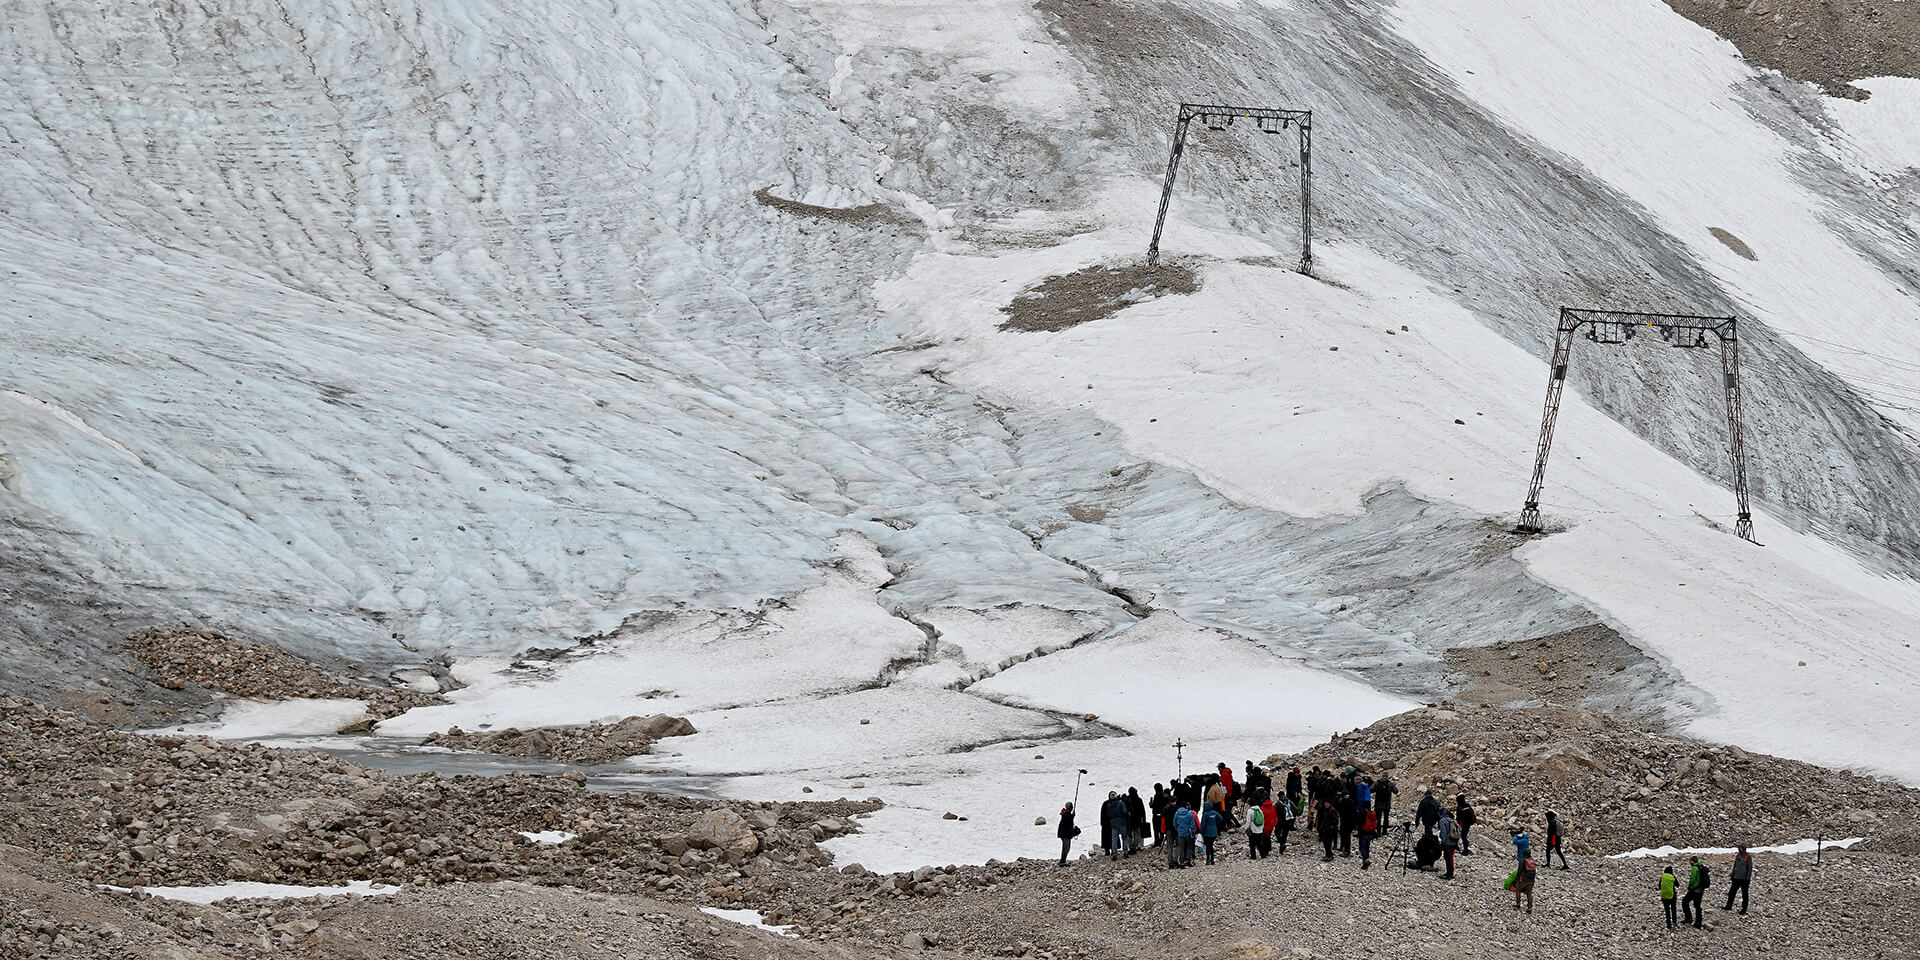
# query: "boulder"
{"type": "Point", "coordinates": [724, 830]}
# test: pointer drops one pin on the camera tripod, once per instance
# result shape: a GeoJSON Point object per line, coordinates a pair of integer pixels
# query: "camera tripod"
{"type": "Point", "coordinates": [1403, 845]}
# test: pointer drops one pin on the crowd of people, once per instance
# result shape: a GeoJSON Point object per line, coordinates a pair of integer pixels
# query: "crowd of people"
{"type": "Point", "coordinates": [1340, 810]}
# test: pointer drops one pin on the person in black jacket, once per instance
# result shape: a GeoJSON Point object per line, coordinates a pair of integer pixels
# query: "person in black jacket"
{"type": "Point", "coordinates": [1737, 879]}
{"type": "Point", "coordinates": [1067, 832]}
{"type": "Point", "coordinates": [1136, 820]}
{"type": "Point", "coordinates": [1345, 800]}
{"type": "Point", "coordinates": [1383, 791]}
{"type": "Point", "coordinates": [1428, 813]}
{"type": "Point", "coordinates": [1327, 817]}
{"type": "Point", "coordinates": [1555, 834]}
{"type": "Point", "coordinates": [1160, 809]}
{"type": "Point", "coordinates": [1464, 816]}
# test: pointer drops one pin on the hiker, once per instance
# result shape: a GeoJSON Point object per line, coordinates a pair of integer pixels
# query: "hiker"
{"type": "Point", "coordinates": [1329, 820]}
{"type": "Point", "coordinates": [1463, 815]}
{"type": "Point", "coordinates": [1426, 851]}
{"type": "Point", "coordinates": [1349, 817]}
{"type": "Point", "coordinates": [1231, 792]}
{"type": "Point", "coordinates": [1210, 821]}
{"type": "Point", "coordinates": [1216, 794]}
{"type": "Point", "coordinates": [1184, 828]}
{"type": "Point", "coordinates": [1369, 826]}
{"type": "Point", "coordinates": [1428, 812]}
{"type": "Point", "coordinates": [1383, 791]}
{"type": "Point", "coordinates": [1294, 787]}
{"type": "Point", "coordinates": [1697, 883]}
{"type": "Point", "coordinates": [1136, 820]}
{"type": "Point", "coordinates": [1667, 894]}
{"type": "Point", "coordinates": [1256, 825]}
{"type": "Point", "coordinates": [1113, 825]}
{"type": "Point", "coordinates": [1270, 821]}
{"type": "Point", "coordinates": [1449, 840]}
{"type": "Point", "coordinates": [1158, 807]}
{"type": "Point", "coordinates": [1522, 845]}
{"type": "Point", "coordinates": [1523, 884]}
{"type": "Point", "coordinates": [1738, 878]}
{"type": "Point", "coordinates": [1253, 782]}
{"type": "Point", "coordinates": [1288, 809]}
{"type": "Point", "coordinates": [1363, 795]}
{"type": "Point", "coordinates": [1066, 832]}
{"type": "Point", "coordinates": [1555, 832]}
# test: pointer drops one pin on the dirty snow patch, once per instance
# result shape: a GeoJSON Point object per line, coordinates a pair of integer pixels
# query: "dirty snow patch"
{"type": "Point", "coordinates": [260, 891]}
{"type": "Point", "coordinates": [1798, 846]}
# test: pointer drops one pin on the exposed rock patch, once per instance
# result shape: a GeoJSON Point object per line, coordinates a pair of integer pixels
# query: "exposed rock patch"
{"type": "Point", "coordinates": [1102, 290]}
{"type": "Point", "coordinates": [589, 744]}
{"type": "Point", "coordinates": [183, 657]}
{"type": "Point", "coordinates": [1591, 667]}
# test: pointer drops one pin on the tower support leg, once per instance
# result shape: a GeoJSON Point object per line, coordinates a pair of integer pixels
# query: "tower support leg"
{"type": "Point", "coordinates": [1166, 189]}
{"type": "Point", "coordinates": [1549, 417]}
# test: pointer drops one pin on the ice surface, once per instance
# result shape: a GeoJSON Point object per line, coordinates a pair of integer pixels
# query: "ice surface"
{"type": "Point", "coordinates": [547, 836]}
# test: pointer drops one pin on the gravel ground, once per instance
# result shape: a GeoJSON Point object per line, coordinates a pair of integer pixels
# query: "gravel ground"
{"type": "Point", "coordinates": [82, 805]}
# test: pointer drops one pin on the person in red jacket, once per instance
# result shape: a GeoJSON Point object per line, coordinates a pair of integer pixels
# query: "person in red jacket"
{"type": "Point", "coordinates": [1270, 815]}
{"type": "Point", "coordinates": [1233, 793]}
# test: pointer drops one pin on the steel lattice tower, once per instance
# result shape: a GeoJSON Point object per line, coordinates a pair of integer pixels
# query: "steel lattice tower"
{"type": "Point", "coordinates": [1613, 327]}
{"type": "Point", "coordinates": [1268, 120]}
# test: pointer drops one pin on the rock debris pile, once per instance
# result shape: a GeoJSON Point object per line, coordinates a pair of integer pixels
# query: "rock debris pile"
{"type": "Point", "coordinates": [587, 744]}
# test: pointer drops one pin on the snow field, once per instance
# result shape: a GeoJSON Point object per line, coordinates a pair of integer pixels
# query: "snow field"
{"type": "Point", "coordinates": [1238, 383]}
{"type": "Point", "coordinates": [1653, 104]}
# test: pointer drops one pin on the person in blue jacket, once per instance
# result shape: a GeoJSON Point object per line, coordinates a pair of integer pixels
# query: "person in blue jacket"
{"type": "Point", "coordinates": [1210, 819]}
{"type": "Point", "coordinates": [1522, 846]}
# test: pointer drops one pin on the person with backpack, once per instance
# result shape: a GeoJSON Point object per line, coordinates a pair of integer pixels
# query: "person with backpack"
{"type": "Point", "coordinates": [1289, 811]}
{"type": "Point", "coordinates": [1295, 787]}
{"type": "Point", "coordinates": [1667, 895]}
{"type": "Point", "coordinates": [1185, 826]}
{"type": "Point", "coordinates": [1113, 825]}
{"type": "Point", "coordinates": [1556, 831]}
{"type": "Point", "coordinates": [1463, 815]}
{"type": "Point", "coordinates": [1698, 880]}
{"type": "Point", "coordinates": [1738, 878]}
{"type": "Point", "coordinates": [1066, 832]}
{"type": "Point", "coordinates": [1210, 821]}
{"type": "Point", "coordinates": [1369, 828]}
{"type": "Point", "coordinates": [1449, 840]}
{"type": "Point", "coordinates": [1256, 825]}
{"type": "Point", "coordinates": [1523, 884]}
{"type": "Point", "coordinates": [1522, 845]}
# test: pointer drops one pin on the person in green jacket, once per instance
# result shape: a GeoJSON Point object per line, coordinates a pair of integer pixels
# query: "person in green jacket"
{"type": "Point", "coordinates": [1667, 884]}
{"type": "Point", "coordinates": [1690, 908]}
